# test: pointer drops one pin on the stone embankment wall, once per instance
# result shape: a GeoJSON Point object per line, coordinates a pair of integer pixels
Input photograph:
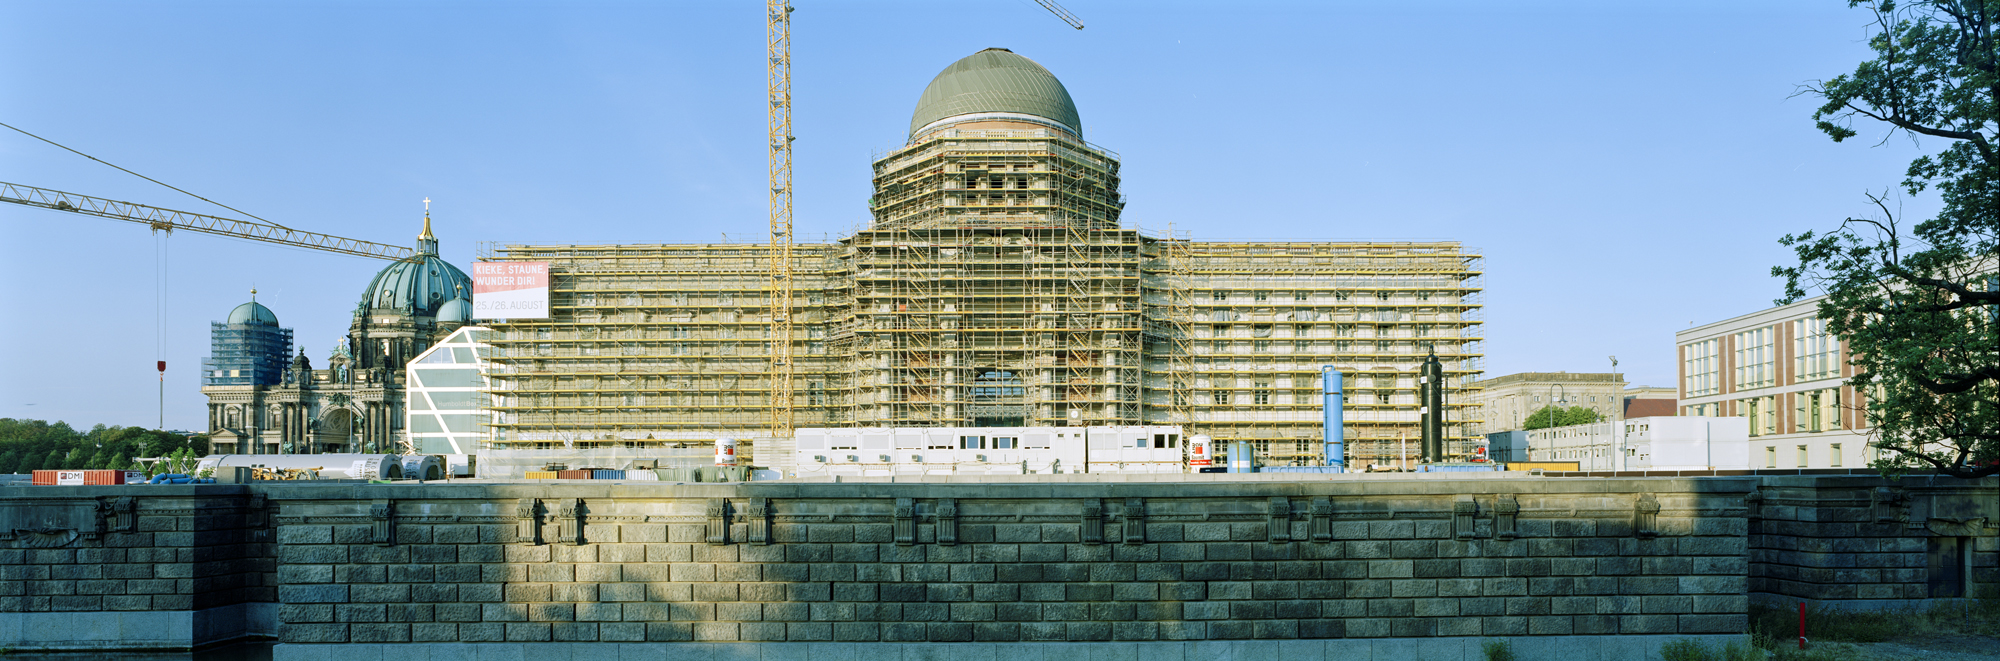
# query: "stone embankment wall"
{"type": "Point", "coordinates": [1864, 542]}
{"type": "Point", "coordinates": [1357, 567]}
{"type": "Point", "coordinates": [958, 563]}
{"type": "Point", "coordinates": [134, 567]}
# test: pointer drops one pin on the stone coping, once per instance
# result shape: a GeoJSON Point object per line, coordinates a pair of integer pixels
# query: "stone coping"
{"type": "Point", "coordinates": [1565, 648]}
{"type": "Point", "coordinates": [830, 490]}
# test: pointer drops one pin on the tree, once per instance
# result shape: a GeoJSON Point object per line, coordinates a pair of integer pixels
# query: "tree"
{"type": "Point", "coordinates": [1557, 416]}
{"type": "Point", "coordinates": [1917, 304]}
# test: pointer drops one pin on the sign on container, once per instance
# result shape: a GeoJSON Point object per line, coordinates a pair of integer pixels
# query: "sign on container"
{"type": "Point", "coordinates": [510, 290]}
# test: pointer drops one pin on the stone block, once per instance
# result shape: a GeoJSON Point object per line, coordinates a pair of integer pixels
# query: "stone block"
{"type": "Point", "coordinates": [312, 633]}
{"type": "Point", "coordinates": [1391, 608]}
{"type": "Point", "coordinates": [1436, 608]}
{"type": "Point", "coordinates": [1368, 550]}
{"type": "Point", "coordinates": [669, 632]}
{"type": "Point", "coordinates": [1715, 623]}
{"type": "Point", "coordinates": [379, 633]}
{"type": "Point", "coordinates": [304, 534]}
{"type": "Point", "coordinates": [1643, 624]}
{"type": "Point", "coordinates": [313, 594]}
{"type": "Point", "coordinates": [1391, 529]}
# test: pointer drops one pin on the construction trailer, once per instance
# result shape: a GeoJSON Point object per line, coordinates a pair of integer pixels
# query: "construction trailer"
{"type": "Point", "coordinates": [988, 450]}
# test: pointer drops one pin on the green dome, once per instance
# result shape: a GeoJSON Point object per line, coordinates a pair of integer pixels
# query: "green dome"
{"type": "Point", "coordinates": [420, 284]}
{"type": "Point", "coordinates": [995, 80]}
{"type": "Point", "coordinates": [253, 313]}
{"type": "Point", "coordinates": [457, 310]}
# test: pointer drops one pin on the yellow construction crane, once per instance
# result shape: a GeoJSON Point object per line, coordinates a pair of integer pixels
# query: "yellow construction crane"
{"type": "Point", "coordinates": [170, 220]}
{"type": "Point", "coordinates": [778, 84]}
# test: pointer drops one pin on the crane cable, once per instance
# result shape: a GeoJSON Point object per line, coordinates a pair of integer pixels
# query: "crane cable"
{"type": "Point", "coordinates": [141, 176]}
{"type": "Point", "coordinates": [160, 315]}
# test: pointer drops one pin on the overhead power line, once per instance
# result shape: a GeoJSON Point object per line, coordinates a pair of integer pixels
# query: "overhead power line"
{"type": "Point", "coordinates": [141, 176]}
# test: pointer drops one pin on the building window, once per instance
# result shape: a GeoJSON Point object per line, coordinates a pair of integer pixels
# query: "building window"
{"type": "Point", "coordinates": [1262, 296]}
{"type": "Point", "coordinates": [1802, 456]}
{"type": "Point", "coordinates": [1261, 398]}
{"type": "Point", "coordinates": [1815, 354]}
{"type": "Point", "coordinates": [1771, 457]}
{"type": "Point", "coordinates": [1700, 368]}
{"type": "Point", "coordinates": [1382, 398]}
{"type": "Point", "coordinates": [1762, 412]}
{"type": "Point", "coordinates": [1833, 455]}
{"type": "Point", "coordinates": [1754, 368]}
{"type": "Point", "coordinates": [1222, 295]}
{"type": "Point", "coordinates": [1298, 296]}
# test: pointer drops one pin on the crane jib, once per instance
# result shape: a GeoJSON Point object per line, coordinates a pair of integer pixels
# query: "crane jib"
{"type": "Point", "coordinates": [169, 219]}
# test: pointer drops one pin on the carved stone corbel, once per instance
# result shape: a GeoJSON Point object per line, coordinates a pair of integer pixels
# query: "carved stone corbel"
{"type": "Point", "coordinates": [906, 521]}
{"type": "Point", "coordinates": [1505, 510]}
{"type": "Point", "coordinates": [1321, 520]}
{"type": "Point", "coordinates": [760, 521]}
{"type": "Point", "coordinates": [124, 515]}
{"type": "Point", "coordinates": [1279, 526]}
{"type": "Point", "coordinates": [1133, 520]}
{"type": "Point", "coordinates": [569, 521]}
{"type": "Point", "coordinates": [383, 514]}
{"type": "Point", "coordinates": [1093, 522]}
{"type": "Point", "coordinates": [1646, 517]}
{"type": "Point", "coordinates": [528, 521]}
{"type": "Point", "coordinates": [718, 521]}
{"type": "Point", "coordinates": [1891, 505]}
{"type": "Point", "coordinates": [947, 522]}
{"type": "Point", "coordinates": [1463, 509]}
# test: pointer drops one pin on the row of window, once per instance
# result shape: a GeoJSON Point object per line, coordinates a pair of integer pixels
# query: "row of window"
{"type": "Point", "coordinates": [1812, 411]}
{"type": "Point", "coordinates": [1815, 355]}
{"type": "Point", "coordinates": [1833, 457]}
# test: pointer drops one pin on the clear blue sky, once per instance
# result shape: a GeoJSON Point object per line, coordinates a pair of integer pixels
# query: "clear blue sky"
{"type": "Point", "coordinates": [1626, 168]}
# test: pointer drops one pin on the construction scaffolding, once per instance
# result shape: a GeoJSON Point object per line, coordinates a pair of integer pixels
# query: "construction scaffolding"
{"type": "Point", "coordinates": [1266, 316]}
{"type": "Point", "coordinates": [657, 345]}
{"type": "Point", "coordinates": [994, 287]}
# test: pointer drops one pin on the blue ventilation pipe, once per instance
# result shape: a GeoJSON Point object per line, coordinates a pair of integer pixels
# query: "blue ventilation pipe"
{"type": "Point", "coordinates": [1333, 433]}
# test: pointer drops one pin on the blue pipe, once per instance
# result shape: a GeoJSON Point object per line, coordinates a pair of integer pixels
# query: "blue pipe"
{"type": "Point", "coordinates": [1333, 430]}
{"type": "Point", "coordinates": [164, 477]}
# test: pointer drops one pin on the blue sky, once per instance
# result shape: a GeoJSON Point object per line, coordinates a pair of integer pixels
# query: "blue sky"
{"type": "Point", "coordinates": [1625, 169]}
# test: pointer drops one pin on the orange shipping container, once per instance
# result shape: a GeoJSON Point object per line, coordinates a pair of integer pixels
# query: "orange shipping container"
{"type": "Point", "coordinates": [101, 477]}
{"type": "Point", "coordinates": [59, 477]}
{"type": "Point", "coordinates": [573, 475]}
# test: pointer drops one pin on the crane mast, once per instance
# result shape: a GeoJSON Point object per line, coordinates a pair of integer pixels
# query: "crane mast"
{"type": "Point", "coordinates": [169, 219]}
{"type": "Point", "coordinates": [778, 38]}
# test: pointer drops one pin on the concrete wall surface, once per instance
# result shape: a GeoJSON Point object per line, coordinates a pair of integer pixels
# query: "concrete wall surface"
{"type": "Point", "coordinates": [785, 569]}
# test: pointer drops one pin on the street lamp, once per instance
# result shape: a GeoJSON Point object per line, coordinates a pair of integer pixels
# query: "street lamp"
{"type": "Point", "coordinates": [1617, 415]}
{"type": "Point", "coordinates": [1553, 401]}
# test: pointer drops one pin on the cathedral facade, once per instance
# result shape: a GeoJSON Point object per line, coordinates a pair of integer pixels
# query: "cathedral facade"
{"type": "Point", "coordinates": [357, 402]}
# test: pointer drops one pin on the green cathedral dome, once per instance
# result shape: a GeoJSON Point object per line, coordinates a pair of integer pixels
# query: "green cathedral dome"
{"type": "Point", "coordinates": [995, 82]}
{"type": "Point", "coordinates": [420, 283]}
{"type": "Point", "coordinates": [253, 313]}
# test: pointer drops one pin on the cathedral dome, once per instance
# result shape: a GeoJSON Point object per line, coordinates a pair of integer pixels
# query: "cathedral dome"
{"type": "Point", "coordinates": [457, 310]}
{"type": "Point", "coordinates": [420, 283]}
{"type": "Point", "coordinates": [997, 83]}
{"type": "Point", "coordinates": [253, 313]}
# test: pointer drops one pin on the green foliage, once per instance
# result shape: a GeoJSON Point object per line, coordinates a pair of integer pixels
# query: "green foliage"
{"type": "Point", "coordinates": [1919, 305]}
{"type": "Point", "coordinates": [29, 445]}
{"type": "Point", "coordinates": [1498, 650]}
{"type": "Point", "coordinates": [1689, 649]}
{"type": "Point", "coordinates": [1557, 416]}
